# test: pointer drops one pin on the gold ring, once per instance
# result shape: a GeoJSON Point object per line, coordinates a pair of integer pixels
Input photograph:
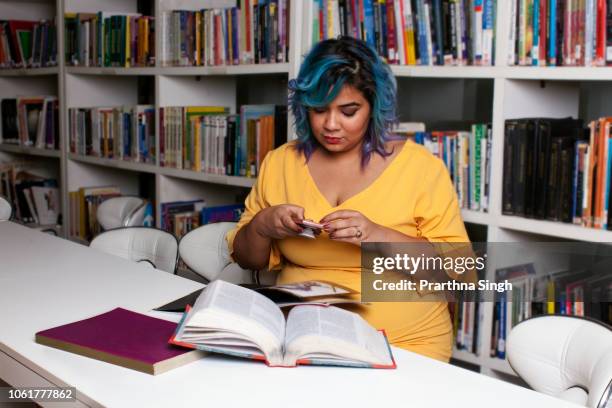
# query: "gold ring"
{"type": "Point", "coordinates": [358, 235]}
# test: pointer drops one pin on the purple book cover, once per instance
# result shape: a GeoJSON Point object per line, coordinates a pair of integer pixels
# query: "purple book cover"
{"type": "Point", "coordinates": [121, 333]}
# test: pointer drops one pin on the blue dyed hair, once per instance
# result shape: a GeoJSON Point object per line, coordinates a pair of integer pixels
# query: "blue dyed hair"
{"type": "Point", "coordinates": [329, 66]}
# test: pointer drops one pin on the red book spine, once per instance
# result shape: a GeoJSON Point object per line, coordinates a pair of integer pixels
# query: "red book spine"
{"type": "Point", "coordinates": [600, 47]}
{"type": "Point", "coordinates": [543, 31]}
{"type": "Point", "coordinates": [391, 33]}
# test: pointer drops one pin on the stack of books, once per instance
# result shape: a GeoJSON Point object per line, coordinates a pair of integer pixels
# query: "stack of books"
{"type": "Point", "coordinates": [28, 44]}
{"type": "Point", "coordinates": [124, 133]}
{"type": "Point", "coordinates": [108, 39]}
{"type": "Point", "coordinates": [413, 32]}
{"type": "Point", "coordinates": [560, 33]}
{"type": "Point", "coordinates": [30, 121]}
{"type": "Point", "coordinates": [252, 33]}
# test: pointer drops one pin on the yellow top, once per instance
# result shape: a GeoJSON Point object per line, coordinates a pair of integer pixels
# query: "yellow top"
{"type": "Point", "coordinates": [414, 195]}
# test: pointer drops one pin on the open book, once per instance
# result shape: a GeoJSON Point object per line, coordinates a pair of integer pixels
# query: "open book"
{"type": "Point", "coordinates": [234, 320]}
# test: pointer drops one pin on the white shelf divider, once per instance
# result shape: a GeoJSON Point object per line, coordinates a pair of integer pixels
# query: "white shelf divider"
{"type": "Point", "coordinates": [32, 151]}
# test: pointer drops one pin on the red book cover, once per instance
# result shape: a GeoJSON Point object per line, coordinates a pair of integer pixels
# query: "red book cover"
{"type": "Point", "coordinates": [16, 30]}
{"type": "Point", "coordinates": [121, 337]}
{"type": "Point", "coordinates": [391, 34]}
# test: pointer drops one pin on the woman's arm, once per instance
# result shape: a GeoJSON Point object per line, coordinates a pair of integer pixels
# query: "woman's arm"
{"type": "Point", "coordinates": [253, 242]}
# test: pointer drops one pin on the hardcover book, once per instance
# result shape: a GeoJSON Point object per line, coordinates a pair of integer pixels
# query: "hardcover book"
{"type": "Point", "coordinates": [233, 320]}
{"type": "Point", "coordinates": [124, 338]}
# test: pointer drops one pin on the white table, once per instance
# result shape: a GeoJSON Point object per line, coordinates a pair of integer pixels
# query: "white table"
{"type": "Point", "coordinates": [47, 281]}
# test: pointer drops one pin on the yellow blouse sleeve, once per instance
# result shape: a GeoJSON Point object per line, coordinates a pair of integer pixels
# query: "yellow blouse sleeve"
{"type": "Point", "coordinates": [255, 202]}
{"type": "Point", "coordinates": [439, 220]}
{"type": "Point", "coordinates": [437, 212]}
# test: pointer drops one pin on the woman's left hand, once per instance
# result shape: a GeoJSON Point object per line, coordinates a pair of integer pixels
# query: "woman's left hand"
{"type": "Point", "coordinates": [352, 227]}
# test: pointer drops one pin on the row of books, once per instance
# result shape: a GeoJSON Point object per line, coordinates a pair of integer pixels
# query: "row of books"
{"type": "Point", "coordinates": [467, 156]}
{"type": "Point", "coordinates": [252, 33]}
{"type": "Point", "coordinates": [35, 199]}
{"type": "Point", "coordinates": [124, 133]}
{"type": "Point", "coordinates": [27, 44]}
{"type": "Point", "coordinates": [467, 320]}
{"type": "Point", "coordinates": [30, 121]}
{"type": "Point", "coordinates": [557, 169]}
{"type": "Point", "coordinates": [560, 33]}
{"type": "Point", "coordinates": [180, 217]}
{"type": "Point", "coordinates": [209, 139]}
{"type": "Point", "coordinates": [413, 32]}
{"type": "Point", "coordinates": [568, 292]}
{"type": "Point", "coordinates": [109, 39]}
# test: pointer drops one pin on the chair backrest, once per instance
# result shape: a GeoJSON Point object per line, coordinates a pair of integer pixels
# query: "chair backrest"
{"type": "Point", "coordinates": [6, 211]}
{"type": "Point", "coordinates": [564, 356]}
{"type": "Point", "coordinates": [140, 244]}
{"type": "Point", "coordinates": [124, 211]}
{"type": "Point", "coordinates": [204, 250]}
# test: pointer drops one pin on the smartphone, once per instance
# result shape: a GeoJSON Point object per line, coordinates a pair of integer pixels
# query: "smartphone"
{"type": "Point", "coordinates": [310, 224]}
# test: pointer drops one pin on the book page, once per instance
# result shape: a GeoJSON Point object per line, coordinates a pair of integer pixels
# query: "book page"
{"type": "Point", "coordinates": [333, 333]}
{"type": "Point", "coordinates": [241, 302]}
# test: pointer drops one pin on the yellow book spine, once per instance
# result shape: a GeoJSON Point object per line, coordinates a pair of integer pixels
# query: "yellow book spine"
{"type": "Point", "coordinates": [128, 43]}
{"type": "Point", "coordinates": [198, 38]}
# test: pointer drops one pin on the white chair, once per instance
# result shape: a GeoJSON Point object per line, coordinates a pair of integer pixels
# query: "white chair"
{"type": "Point", "coordinates": [6, 211]}
{"type": "Point", "coordinates": [140, 244]}
{"type": "Point", "coordinates": [204, 250]}
{"type": "Point", "coordinates": [124, 211]}
{"type": "Point", "coordinates": [564, 356]}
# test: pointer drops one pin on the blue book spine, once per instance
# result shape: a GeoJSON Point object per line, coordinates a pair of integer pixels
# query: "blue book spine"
{"type": "Point", "coordinates": [552, 32]}
{"type": "Point", "coordinates": [439, 49]}
{"type": "Point", "coordinates": [501, 341]}
{"type": "Point", "coordinates": [368, 12]}
{"type": "Point", "coordinates": [235, 45]}
{"type": "Point", "coordinates": [535, 49]}
{"type": "Point", "coordinates": [422, 33]}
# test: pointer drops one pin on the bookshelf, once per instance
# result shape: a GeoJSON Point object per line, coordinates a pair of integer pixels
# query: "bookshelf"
{"type": "Point", "coordinates": [433, 94]}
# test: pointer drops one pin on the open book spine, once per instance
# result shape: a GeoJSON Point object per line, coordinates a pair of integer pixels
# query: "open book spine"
{"type": "Point", "coordinates": [209, 349]}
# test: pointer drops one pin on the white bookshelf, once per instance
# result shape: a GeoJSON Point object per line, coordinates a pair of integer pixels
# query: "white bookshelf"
{"type": "Point", "coordinates": [424, 94]}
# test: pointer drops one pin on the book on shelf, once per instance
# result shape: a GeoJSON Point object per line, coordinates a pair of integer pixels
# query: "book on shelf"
{"type": "Point", "coordinates": [27, 44]}
{"type": "Point", "coordinates": [412, 32]}
{"type": "Point", "coordinates": [233, 320]}
{"type": "Point", "coordinates": [556, 169]}
{"type": "Point", "coordinates": [572, 292]}
{"type": "Point", "coordinates": [467, 156]}
{"type": "Point", "coordinates": [560, 33]}
{"type": "Point", "coordinates": [210, 140]}
{"type": "Point", "coordinates": [467, 321]}
{"type": "Point", "coordinates": [31, 121]}
{"type": "Point", "coordinates": [109, 39]}
{"type": "Point", "coordinates": [124, 338]}
{"type": "Point", "coordinates": [250, 33]}
{"type": "Point", "coordinates": [187, 140]}
{"type": "Point", "coordinates": [180, 217]}
{"type": "Point", "coordinates": [84, 204]}
{"type": "Point", "coordinates": [35, 199]}
{"type": "Point", "coordinates": [262, 128]}
{"type": "Point", "coordinates": [123, 133]}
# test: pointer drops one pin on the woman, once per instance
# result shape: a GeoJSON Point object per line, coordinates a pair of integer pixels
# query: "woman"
{"type": "Point", "coordinates": [347, 173]}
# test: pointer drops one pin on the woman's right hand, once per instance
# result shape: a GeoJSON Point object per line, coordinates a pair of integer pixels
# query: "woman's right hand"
{"type": "Point", "coordinates": [279, 221]}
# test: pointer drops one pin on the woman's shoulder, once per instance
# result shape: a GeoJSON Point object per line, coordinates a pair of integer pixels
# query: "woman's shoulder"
{"type": "Point", "coordinates": [282, 153]}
